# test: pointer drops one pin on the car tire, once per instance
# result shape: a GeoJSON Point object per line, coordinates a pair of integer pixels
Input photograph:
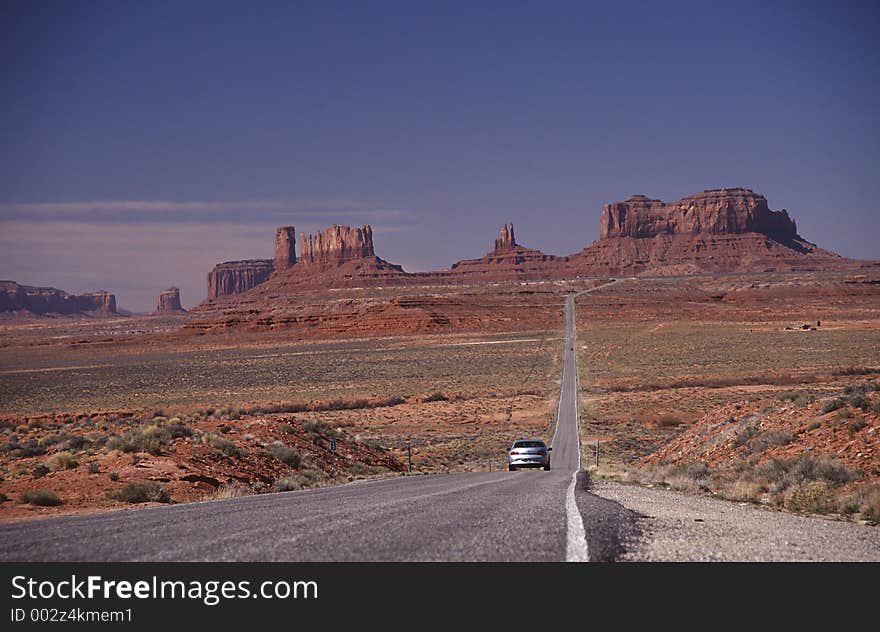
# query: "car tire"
{"type": "Point", "coordinates": [512, 468]}
{"type": "Point", "coordinates": [547, 468]}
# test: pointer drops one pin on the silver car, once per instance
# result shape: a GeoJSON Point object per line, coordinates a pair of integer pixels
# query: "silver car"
{"type": "Point", "coordinates": [528, 453]}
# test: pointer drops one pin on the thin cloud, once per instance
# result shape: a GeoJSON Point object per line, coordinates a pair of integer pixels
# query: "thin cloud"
{"type": "Point", "coordinates": [194, 211]}
{"type": "Point", "coordinates": [136, 205]}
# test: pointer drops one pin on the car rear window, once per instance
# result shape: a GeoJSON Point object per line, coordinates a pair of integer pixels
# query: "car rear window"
{"type": "Point", "coordinates": [529, 444]}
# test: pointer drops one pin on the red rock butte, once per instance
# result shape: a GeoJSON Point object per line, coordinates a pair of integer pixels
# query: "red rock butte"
{"type": "Point", "coordinates": [50, 300]}
{"type": "Point", "coordinates": [718, 230]}
{"type": "Point", "coordinates": [169, 301]}
{"type": "Point", "coordinates": [336, 245]}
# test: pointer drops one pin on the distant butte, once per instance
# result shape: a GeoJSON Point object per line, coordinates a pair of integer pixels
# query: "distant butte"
{"type": "Point", "coordinates": [169, 301]}
{"type": "Point", "coordinates": [718, 230]}
{"type": "Point", "coordinates": [50, 300]}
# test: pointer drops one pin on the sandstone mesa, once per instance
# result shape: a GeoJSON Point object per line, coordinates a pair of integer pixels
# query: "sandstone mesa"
{"type": "Point", "coordinates": [718, 230]}
{"type": "Point", "coordinates": [169, 301]}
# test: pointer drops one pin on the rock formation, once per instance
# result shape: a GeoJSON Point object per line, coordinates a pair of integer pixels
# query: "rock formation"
{"type": "Point", "coordinates": [718, 230]}
{"type": "Point", "coordinates": [285, 247]}
{"type": "Point", "coordinates": [336, 245]}
{"type": "Point", "coordinates": [169, 301]}
{"type": "Point", "coordinates": [50, 300]}
{"type": "Point", "coordinates": [712, 212]}
{"type": "Point", "coordinates": [507, 261]}
{"type": "Point", "coordinates": [234, 277]}
{"type": "Point", "coordinates": [506, 240]}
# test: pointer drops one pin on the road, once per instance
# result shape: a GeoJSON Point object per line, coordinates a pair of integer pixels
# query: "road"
{"type": "Point", "coordinates": [489, 516]}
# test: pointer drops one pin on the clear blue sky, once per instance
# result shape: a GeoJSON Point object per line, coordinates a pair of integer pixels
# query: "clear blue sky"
{"type": "Point", "coordinates": [145, 141]}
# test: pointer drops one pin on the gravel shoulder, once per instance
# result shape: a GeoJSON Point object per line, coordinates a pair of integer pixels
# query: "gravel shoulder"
{"type": "Point", "coordinates": [676, 527]}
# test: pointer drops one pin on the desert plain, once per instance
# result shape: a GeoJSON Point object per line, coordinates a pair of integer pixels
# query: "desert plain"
{"type": "Point", "coordinates": [759, 388]}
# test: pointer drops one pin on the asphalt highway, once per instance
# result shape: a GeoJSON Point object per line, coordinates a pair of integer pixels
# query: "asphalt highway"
{"type": "Point", "coordinates": [527, 515]}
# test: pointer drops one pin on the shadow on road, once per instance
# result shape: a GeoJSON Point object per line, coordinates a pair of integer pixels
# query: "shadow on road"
{"type": "Point", "coordinates": [610, 527]}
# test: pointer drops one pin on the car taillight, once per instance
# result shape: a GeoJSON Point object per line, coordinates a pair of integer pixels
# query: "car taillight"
{"type": "Point", "coordinates": [514, 452]}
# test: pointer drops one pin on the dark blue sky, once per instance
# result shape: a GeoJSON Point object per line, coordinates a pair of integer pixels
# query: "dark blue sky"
{"type": "Point", "coordinates": [145, 141]}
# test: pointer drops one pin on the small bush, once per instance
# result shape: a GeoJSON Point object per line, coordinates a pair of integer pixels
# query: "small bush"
{"type": "Point", "coordinates": [93, 467]}
{"type": "Point", "coordinates": [769, 439]}
{"type": "Point", "coordinates": [149, 439]}
{"type": "Point", "coordinates": [178, 430]}
{"type": "Point", "coordinates": [860, 401]}
{"type": "Point", "coordinates": [342, 404]}
{"type": "Point", "coordinates": [855, 426]}
{"type": "Point", "coordinates": [41, 498]}
{"type": "Point", "coordinates": [3, 497]}
{"type": "Point", "coordinates": [394, 400]}
{"type": "Point", "coordinates": [314, 425]}
{"type": "Point", "coordinates": [233, 490]}
{"type": "Point", "coordinates": [745, 436]}
{"type": "Point", "coordinates": [78, 443]}
{"type": "Point", "coordinates": [40, 470]}
{"type": "Point", "coordinates": [798, 398]}
{"type": "Point", "coordinates": [690, 476]}
{"type": "Point", "coordinates": [31, 449]}
{"type": "Point", "coordinates": [844, 413]}
{"type": "Point", "coordinates": [812, 497]}
{"type": "Point", "coordinates": [867, 499]}
{"type": "Point", "coordinates": [287, 455]}
{"type": "Point", "coordinates": [61, 461]}
{"type": "Point", "coordinates": [222, 445]}
{"type": "Point", "coordinates": [288, 429]}
{"type": "Point", "coordinates": [746, 491]}
{"type": "Point", "coordinates": [436, 397]}
{"type": "Point", "coordinates": [374, 444]}
{"type": "Point", "coordinates": [816, 423]}
{"type": "Point", "coordinates": [52, 439]}
{"type": "Point", "coordinates": [114, 476]}
{"type": "Point", "coordinates": [833, 404]}
{"type": "Point", "coordinates": [857, 371]}
{"type": "Point", "coordinates": [287, 484]}
{"type": "Point", "coordinates": [141, 492]}
{"type": "Point", "coordinates": [668, 421]}
{"type": "Point", "coordinates": [781, 474]}
{"type": "Point", "coordinates": [310, 477]}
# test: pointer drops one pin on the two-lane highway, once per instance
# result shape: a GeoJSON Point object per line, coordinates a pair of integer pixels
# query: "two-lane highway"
{"type": "Point", "coordinates": [492, 516]}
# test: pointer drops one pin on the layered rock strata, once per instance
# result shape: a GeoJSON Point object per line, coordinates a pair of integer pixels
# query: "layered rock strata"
{"type": "Point", "coordinates": [285, 247]}
{"type": "Point", "coordinates": [336, 245]}
{"type": "Point", "coordinates": [235, 277]}
{"type": "Point", "coordinates": [169, 301]}
{"type": "Point", "coordinates": [50, 300]}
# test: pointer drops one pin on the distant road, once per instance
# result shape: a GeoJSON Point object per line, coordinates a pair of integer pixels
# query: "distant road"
{"type": "Point", "coordinates": [494, 516]}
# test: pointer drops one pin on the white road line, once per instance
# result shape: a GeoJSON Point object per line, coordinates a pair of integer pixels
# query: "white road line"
{"type": "Point", "coordinates": [576, 540]}
{"type": "Point", "coordinates": [576, 549]}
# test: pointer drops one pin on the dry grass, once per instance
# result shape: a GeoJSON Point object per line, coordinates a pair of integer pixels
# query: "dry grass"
{"type": "Point", "coordinates": [141, 492]}
{"type": "Point", "coordinates": [254, 378]}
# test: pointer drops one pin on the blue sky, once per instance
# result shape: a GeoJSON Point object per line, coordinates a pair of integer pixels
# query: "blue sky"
{"type": "Point", "coordinates": [145, 141]}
